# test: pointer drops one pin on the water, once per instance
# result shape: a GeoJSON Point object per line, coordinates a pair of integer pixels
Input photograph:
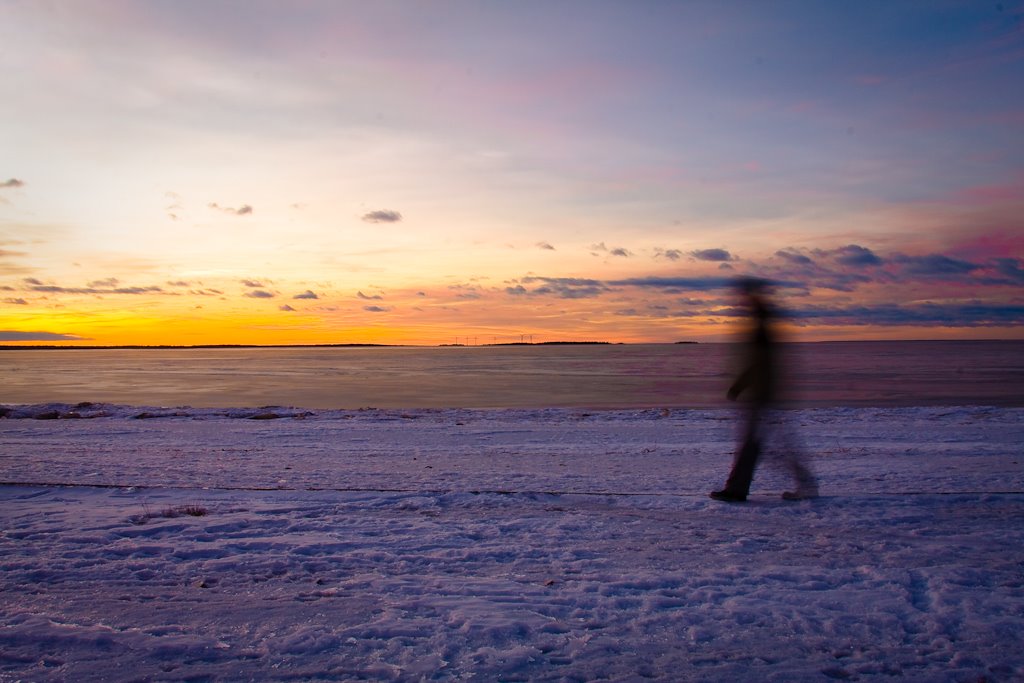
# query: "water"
{"type": "Point", "coordinates": [605, 376]}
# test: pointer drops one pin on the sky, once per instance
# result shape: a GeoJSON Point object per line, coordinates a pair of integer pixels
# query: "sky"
{"type": "Point", "coordinates": [204, 172]}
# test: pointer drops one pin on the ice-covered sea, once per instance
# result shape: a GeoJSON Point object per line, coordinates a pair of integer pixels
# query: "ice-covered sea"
{"type": "Point", "coordinates": [513, 544]}
{"type": "Point", "coordinates": [608, 376]}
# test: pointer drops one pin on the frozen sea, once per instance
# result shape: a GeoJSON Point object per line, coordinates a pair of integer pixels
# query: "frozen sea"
{"type": "Point", "coordinates": [546, 542]}
{"type": "Point", "coordinates": [531, 376]}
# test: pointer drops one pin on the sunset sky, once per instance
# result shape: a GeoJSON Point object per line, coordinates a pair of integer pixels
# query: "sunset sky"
{"type": "Point", "coordinates": [192, 172]}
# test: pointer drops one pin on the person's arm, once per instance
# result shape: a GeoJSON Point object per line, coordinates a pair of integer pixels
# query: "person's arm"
{"type": "Point", "coordinates": [741, 383]}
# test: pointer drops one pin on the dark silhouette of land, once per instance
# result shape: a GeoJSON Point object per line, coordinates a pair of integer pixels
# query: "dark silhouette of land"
{"type": "Point", "coordinates": [46, 347]}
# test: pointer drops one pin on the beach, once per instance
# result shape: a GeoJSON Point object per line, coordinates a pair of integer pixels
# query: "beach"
{"type": "Point", "coordinates": [147, 543]}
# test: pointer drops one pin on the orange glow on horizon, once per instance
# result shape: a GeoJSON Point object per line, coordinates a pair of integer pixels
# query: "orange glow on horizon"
{"type": "Point", "coordinates": [126, 329]}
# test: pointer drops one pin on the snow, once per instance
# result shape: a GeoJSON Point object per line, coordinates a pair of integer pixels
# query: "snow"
{"type": "Point", "coordinates": [554, 544]}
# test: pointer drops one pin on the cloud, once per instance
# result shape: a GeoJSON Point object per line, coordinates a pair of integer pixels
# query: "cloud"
{"type": "Point", "coordinates": [842, 269]}
{"type": "Point", "coordinates": [382, 216]}
{"type": "Point", "coordinates": [934, 266]}
{"type": "Point", "coordinates": [16, 302]}
{"type": "Point", "coordinates": [13, 182]}
{"type": "Point", "coordinates": [1010, 268]}
{"type": "Point", "coordinates": [468, 290]}
{"type": "Point", "coordinates": [688, 284]}
{"type": "Point", "coordinates": [308, 294]}
{"type": "Point", "coordinates": [928, 314]}
{"type": "Point", "coordinates": [97, 287]}
{"type": "Point", "coordinates": [602, 247]}
{"type": "Point", "coordinates": [852, 255]}
{"type": "Point", "coordinates": [670, 254]}
{"type": "Point", "coordinates": [374, 297]}
{"type": "Point", "coordinates": [17, 335]}
{"type": "Point", "coordinates": [971, 314]}
{"type": "Point", "coordinates": [252, 283]}
{"type": "Point", "coordinates": [580, 288]}
{"type": "Point", "coordinates": [703, 309]}
{"type": "Point", "coordinates": [376, 309]}
{"type": "Point", "coordinates": [794, 257]}
{"type": "Point", "coordinates": [712, 255]}
{"type": "Point", "coordinates": [11, 267]}
{"type": "Point", "coordinates": [259, 294]}
{"type": "Point", "coordinates": [545, 245]}
{"type": "Point", "coordinates": [133, 290]}
{"type": "Point", "coordinates": [179, 283]}
{"type": "Point", "coordinates": [174, 206]}
{"type": "Point", "coordinates": [243, 210]}
{"type": "Point", "coordinates": [286, 307]}
{"type": "Point", "coordinates": [856, 255]}
{"type": "Point", "coordinates": [846, 268]}
{"type": "Point", "coordinates": [562, 287]}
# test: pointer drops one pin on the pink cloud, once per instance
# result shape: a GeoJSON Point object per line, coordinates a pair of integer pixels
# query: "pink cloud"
{"type": "Point", "coordinates": [1012, 191]}
{"type": "Point", "coordinates": [974, 222]}
{"type": "Point", "coordinates": [987, 245]}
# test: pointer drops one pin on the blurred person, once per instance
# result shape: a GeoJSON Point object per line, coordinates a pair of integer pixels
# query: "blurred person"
{"type": "Point", "coordinates": [759, 382]}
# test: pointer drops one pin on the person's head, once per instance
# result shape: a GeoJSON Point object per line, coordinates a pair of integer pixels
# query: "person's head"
{"type": "Point", "coordinates": [751, 286]}
{"type": "Point", "coordinates": [754, 290]}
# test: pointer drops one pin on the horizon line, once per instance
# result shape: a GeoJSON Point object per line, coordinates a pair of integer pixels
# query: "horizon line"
{"type": "Point", "coordinates": [114, 347]}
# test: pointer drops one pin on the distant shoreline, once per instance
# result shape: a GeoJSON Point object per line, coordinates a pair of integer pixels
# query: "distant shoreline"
{"type": "Point", "coordinates": [172, 347]}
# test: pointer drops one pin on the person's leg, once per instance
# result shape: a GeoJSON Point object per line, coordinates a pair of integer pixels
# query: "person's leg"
{"type": "Point", "coordinates": [742, 473]}
{"type": "Point", "coordinates": [737, 486]}
{"type": "Point", "coordinates": [806, 484]}
{"type": "Point", "coordinates": [794, 461]}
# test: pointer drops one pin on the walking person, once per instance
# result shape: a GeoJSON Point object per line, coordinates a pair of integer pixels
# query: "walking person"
{"type": "Point", "coordinates": [759, 381]}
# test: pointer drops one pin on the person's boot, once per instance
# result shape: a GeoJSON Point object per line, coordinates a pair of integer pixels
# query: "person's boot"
{"type": "Point", "coordinates": [728, 496]}
{"type": "Point", "coordinates": [804, 491]}
{"type": "Point", "coordinates": [738, 483]}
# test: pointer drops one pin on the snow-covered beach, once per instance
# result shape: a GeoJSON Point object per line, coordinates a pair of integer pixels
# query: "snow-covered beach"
{"type": "Point", "coordinates": [505, 545]}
